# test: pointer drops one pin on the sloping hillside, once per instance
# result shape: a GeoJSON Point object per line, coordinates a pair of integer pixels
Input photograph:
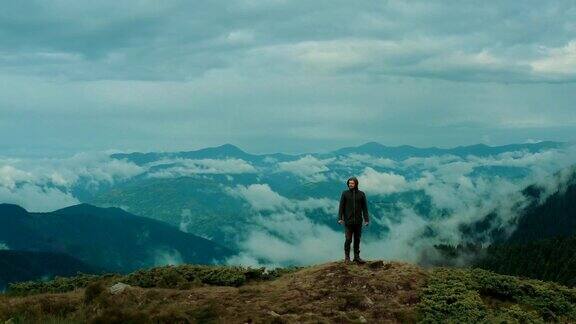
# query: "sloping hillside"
{"type": "Point", "coordinates": [108, 238]}
{"type": "Point", "coordinates": [376, 292]}
{"type": "Point", "coordinates": [556, 216]}
{"type": "Point", "coordinates": [543, 245]}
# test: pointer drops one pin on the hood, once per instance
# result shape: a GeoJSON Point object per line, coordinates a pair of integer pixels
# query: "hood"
{"type": "Point", "coordinates": [355, 180]}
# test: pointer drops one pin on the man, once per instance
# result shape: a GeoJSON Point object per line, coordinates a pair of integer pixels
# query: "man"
{"type": "Point", "coordinates": [353, 209]}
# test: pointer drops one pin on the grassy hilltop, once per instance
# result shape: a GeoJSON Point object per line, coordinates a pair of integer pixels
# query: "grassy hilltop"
{"type": "Point", "coordinates": [378, 291]}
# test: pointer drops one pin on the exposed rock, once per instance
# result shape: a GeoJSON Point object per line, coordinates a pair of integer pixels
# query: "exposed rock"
{"type": "Point", "coordinates": [118, 288]}
{"type": "Point", "coordinates": [273, 313]}
{"type": "Point", "coordinates": [367, 302]}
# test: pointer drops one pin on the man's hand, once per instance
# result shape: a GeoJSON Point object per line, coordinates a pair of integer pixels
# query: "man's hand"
{"type": "Point", "coordinates": [340, 221]}
{"type": "Point", "coordinates": [366, 223]}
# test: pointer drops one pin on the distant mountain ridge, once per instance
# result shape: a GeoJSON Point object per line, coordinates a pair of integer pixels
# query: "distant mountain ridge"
{"type": "Point", "coordinates": [372, 148]}
{"type": "Point", "coordinates": [222, 151]}
{"type": "Point", "coordinates": [195, 195]}
{"type": "Point", "coordinates": [406, 151]}
{"type": "Point", "coordinates": [87, 208]}
{"type": "Point", "coordinates": [109, 238]}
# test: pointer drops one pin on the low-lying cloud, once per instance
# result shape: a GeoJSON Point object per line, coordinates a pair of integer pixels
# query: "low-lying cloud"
{"type": "Point", "coordinates": [261, 197]}
{"type": "Point", "coordinates": [45, 184]}
{"type": "Point", "coordinates": [185, 167]}
{"type": "Point", "coordinates": [285, 230]}
{"type": "Point", "coordinates": [285, 235]}
{"type": "Point", "coordinates": [308, 168]}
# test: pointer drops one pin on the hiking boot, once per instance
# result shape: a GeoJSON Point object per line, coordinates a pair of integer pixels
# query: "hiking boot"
{"type": "Point", "coordinates": [358, 260]}
{"type": "Point", "coordinates": [347, 258]}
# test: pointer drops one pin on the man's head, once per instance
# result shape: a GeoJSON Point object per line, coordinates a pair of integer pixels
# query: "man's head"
{"type": "Point", "coordinates": [352, 183]}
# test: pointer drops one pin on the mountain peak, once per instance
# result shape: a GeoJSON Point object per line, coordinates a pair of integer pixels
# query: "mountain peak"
{"type": "Point", "coordinates": [230, 148]}
{"type": "Point", "coordinates": [221, 151]}
{"type": "Point", "coordinates": [371, 144]}
{"type": "Point", "coordinates": [79, 207]}
{"type": "Point", "coordinates": [87, 208]}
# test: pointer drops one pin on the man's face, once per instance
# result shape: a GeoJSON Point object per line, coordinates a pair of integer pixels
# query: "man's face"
{"type": "Point", "coordinates": [351, 184]}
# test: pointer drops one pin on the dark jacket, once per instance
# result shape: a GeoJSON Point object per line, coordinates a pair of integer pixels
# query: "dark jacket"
{"type": "Point", "coordinates": [353, 206]}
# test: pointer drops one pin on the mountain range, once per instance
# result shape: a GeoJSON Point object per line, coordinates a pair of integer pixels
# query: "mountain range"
{"type": "Point", "coordinates": [371, 148]}
{"type": "Point", "coordinates": [191, 189]}
{"type": "Point", "coordinates": [94, 239]}
{"type": "Point", "coordinates": [193, 218]}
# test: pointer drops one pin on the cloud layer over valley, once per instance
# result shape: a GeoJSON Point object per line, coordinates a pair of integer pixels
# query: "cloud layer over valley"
{"type": "Point", "coordinates": [289, 207]}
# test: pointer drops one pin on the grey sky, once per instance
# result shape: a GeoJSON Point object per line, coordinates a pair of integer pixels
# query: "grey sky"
{"type": "Point", "coordinates": [283, 76]}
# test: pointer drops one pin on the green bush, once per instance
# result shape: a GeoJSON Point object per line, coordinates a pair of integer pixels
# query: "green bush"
{"type": "Point", "coordinates": [58, 284]}
{"type": "Point", "coordinates": [477, 295]}
{"type": "Point", "coordinates": [182, 276]}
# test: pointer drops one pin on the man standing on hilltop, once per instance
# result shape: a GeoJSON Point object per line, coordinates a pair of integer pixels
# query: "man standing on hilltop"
{"type": "Point", "coordinates": [353, 209]}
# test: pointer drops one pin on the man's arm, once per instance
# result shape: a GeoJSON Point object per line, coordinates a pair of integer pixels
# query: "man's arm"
{"type": "Point", "coordinates": [341, 208]}
{"type": "Point", "coordinates": [365, 208]}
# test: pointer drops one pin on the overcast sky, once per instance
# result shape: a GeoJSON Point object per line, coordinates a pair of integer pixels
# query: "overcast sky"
{"type": "Point", "coordinates": [283, 76]}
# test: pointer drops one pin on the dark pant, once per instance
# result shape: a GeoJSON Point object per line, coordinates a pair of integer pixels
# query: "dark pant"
{"type": "Point", "coordinates": [356, 231]}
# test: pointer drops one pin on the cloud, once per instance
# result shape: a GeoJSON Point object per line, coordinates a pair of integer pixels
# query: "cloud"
{"type": "Point", "coordinates": [432, 162]}
{"type": "Point", "coordinates": [187, 222]}
{"type": "Point", "coordinates": [35, 198]}
{"type": "Point", "coordinates": [286, 235]}
{"type": "Point", "coordinates": [308, 168]}
{"type": "Point", "coordinates": [240, 37]}
{"type": "Point", "coordinates": [417, 56]}
{"type": "Point", "coordinates": [166, 256]}
{"type": "Point", "coordinates": [4, 246]}
{"type": "Point", "coordinates": [111, 40]}
{"type": "Point", "coordinates": [186, 219]}
{"type": "Point", "coordinates": [184, 167]}
{"type": "Point", "coordinates": [287, 238]}
{"type": "Point", "coordinates": [354, 159]}
{"type": "Point", "coordinates": [261, 197]}
{"type": "Point", "coordinates": [405, 240]}
{"type": "Point", "coordinates": [45, 184]}
{"type": "Point", "coordinates": [560, 61]}
{"type": "Point", "coordinates": [94, 167]}
{"type": "Point", "coordinates": [10, 176]}
{"type": "Point", "coordinates": [318, 74]}
{"type": "Point", "coordinates": [381, 182]}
